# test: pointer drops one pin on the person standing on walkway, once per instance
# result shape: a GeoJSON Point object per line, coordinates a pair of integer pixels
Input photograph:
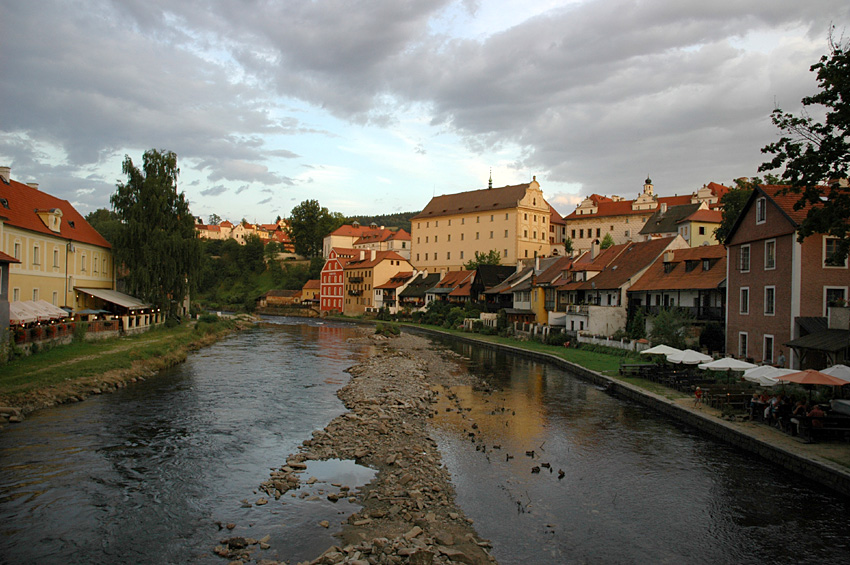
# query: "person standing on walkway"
{"type": "Point", "coordinates": [698, 398]}
{"type": "Point", "coordinates": [780, 362]}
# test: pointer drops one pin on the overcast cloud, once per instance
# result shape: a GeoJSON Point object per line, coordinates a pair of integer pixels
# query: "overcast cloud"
{"type": "Point", "coordinates": [374, 106]}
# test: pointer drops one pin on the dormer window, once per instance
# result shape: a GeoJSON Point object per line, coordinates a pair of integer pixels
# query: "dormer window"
{"type": "Point", "coordinates": [706, 264]}
{"type": "Point", "coordinates": [761, 210]}
{"type": "Point", "coordinates": [52, 218]}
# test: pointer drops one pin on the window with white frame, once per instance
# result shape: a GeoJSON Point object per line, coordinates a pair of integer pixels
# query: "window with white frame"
{"type": "Point", "coordinates": [17, 253]}
{"type": "Point", "coordinates": [830, 246]}
{"type": "Point", "coordinates": [56, 258]}
{"type": "Point", "coordinates": [768, 349]}
{"type": "Point", "coordinates": [770, 254]}
{"type": "Point", "coordinates": [745, 300]}
{"type": "Point", "coordinates": [36, 255]}
{"type": "Point", "coordinates": [35, 295]}
{"type": "Point", "coordinates": [769, 300]}
{"type": "Point", "coordinates": [16, 294]}
{"type": "Point", "coordinates": [742, 344]}
{"type": "Point", "coordinates": [744, 258]}
{"type": "Point", "coordinates": [55, 298]}
{"type": "Point", "coordinates": [761, 210]}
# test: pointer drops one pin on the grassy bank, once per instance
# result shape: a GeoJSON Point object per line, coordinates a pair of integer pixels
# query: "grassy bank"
{"type": "Point", "coordinates": [71, 372]}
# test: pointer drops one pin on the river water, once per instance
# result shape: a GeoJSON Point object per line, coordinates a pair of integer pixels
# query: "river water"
{"type": "Point", "coordinates": [150, 474]}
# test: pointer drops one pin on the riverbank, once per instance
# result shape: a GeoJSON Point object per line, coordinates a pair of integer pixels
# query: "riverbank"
{"type": "Point", "coordinates": [74, 372]}
{"type": "Point", "coordinates": [408, 511]}
{"type": "Point", "coordinates": [824, 463]}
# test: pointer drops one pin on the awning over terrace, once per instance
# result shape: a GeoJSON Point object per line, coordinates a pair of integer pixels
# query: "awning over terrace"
{"type": "Point", "coordinates": [119, 299]}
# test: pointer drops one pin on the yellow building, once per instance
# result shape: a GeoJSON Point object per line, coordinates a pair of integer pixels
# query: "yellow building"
{"type": "Point", "coordinates": [363, 273]}
{"type": "Point", "coordinates": [57, 249]}
{"type": "Point", "coordinates": [513, 220]}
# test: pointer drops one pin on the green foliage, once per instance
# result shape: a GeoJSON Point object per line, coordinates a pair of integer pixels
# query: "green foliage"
{"type": "Point", "coordinates": [713, 338]}
{"type": "Point", "coordinates": [309, 223]}
{"type": "Point", "coordinates": [670, 326]}
{"type": "Point", "coordinates": [556, 338]}
{"type": "Point", "coordinates": [813, 153]}
{"type": "Point", "coordinates": [400, 220]}
{"type": "Point", "coordinates": [80, 330]}
{"type": "Point", "coordinates": [568, 246]}
{"type": "Point", "coordinates": [492, 257]}
{"type": "Point", "coordinates": [106, 223]}
{"type": "Point", "coordinates": [157, 241]}
{"type": "Point", "coordinates": [388, 330]}
{"type": "Point", "coordinates": [607, 241]}
{"type": "Point", "coordinates": [214, 220]}
{"type": "Point", "coordinates": [733, 202]}
{"type": "Point", "coordinates": [636, 328]}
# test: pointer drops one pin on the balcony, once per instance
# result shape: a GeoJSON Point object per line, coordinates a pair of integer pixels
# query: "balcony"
{"type": "Point", "coordinates": [355, 292]}
{"type": "Point", "coordinates": [580, 309]}
{"type": "Point", "coordinates": [355, 280]}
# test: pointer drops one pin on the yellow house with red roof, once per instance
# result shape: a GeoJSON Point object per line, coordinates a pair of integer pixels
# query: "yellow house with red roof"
{"type": "Point", "coordinates": [57, 248]}
{"type": "Point", "coordinates": [624, 219]}
{"type": "Point", "coordinates": [365, 271]}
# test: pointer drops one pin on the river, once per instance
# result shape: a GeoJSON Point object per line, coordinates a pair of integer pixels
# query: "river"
{"type": "Point", "coordinates": [153, 472]}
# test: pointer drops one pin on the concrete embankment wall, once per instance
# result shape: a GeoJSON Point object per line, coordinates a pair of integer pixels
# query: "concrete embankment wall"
{"type": "Point", "coordinates": [823, 472]}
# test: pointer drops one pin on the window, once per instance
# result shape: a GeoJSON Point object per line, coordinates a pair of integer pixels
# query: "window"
{"type": "Point", "coordinates": [476, 235]}
{"type": "Point", "coordinates": [35, 295]}
{"type": "Point", "coordinates": [506, 233]}
{"type": "Point", "coordinates": [55, 301]}
{"type": "Point", "coordinates": [627, 233]}
{"type": "Point", "coordinates": [461, 237]}
{"type": "Point", "coordinates": [706, 264]}
{"type": "Point", "coordinates": [450, 222]}
{"type": "Point", "coordinates": [449, 236]}
{"type": "Point", "coordinates": [477, 219]}
{"type": "Point", "coordinates": [426, 239]}
{"type": "Point", "coordinates": [506, 216]}
{"type": "Point", "coordinates": [17, 251]}
{"type": "Point", "coordinates": [768, 349]}
{"type": "Point", "coordinates": [769, 300]}
{"type": "Point", "coordinates": [525, 216]}
{"type": "Point", "coordinates": [834, 296]}
{"type": "Point", "coordinates": [417, 256]}
{"type": "Point", "coordinates": [462, 221]}
{"type": "Point", "coordinates": [505, 254]}
{"type": "Point", "coordinates": [524, 233]}
{"type": "Point", "coordinates": [436, 223]}
{"type": "Point", "coordinates": [534, 234]}
{"type": "Point", "coordinates": [435, 239]}
{"type": "Point", "coordinates": [581, 234]}
{"type": "Point", "coordinates": [744, 259]}
{"type": "Point", "coordinates": [36, 258]}
{"type": "Point", "coordinates": [702, 230]}
{"type": "Point", "coordinates": [427, 224]}
{"type": "Point", "coordinates": [16, 294]}
{"type": "Point", "coordinates": [56, 259]}
{"type": "Point", "coordinates": [770, 254]}
{"type": "Point", "coordinates": [491, 217]}
{"type": "Point", "coordinates": [598, 232]}
{"type": "Point", "coordinates": [742, 345]}
{"type": "Point", "coordinates": [491, 235]}
{"type": "Point", "coordinates": [830, 246]}
{"type": "Point", "coordinates": [94, 265]}
{"type": "Point", "coordinates": [761, 210]}
{"type": "Point", "coordinates": [83, 263]}
{"type": "Point", "coordinates": [745, 300]}
{"type": "Point", "coordinates": [461, 254]}
{"type": "Point", "coordinates": [573, 234]}
{"type": "Point", "coordinates": [448, 255]}
{"type": "Point", "coordinates": [426, 256]}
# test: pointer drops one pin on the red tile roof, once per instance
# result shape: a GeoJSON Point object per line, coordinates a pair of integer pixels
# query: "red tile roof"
{"type": "Point", "coordinates": [381, 234]}
{"type": "Point", "coordinates": [367, 262]}
{"type": "Point", "coordinates": [396, 280]}
{"type": "Point", "coordinates": [19, 208]}
{"type": "Point", "coordinates": [707, 216]}
{"type": "Point", "coordinates": [785, 202]}
{"type": "Point", "coordinates": [555, 217]}
{"type": "Point", "coordinates": [607, 207]}
{"type": "Point", "coordinates": [454, 278]}
{"type": "Point", "coordinates": [226, 224]}
{"type": "Point", "coordinates": [7, 258]}
{"type": "Point", "coordinates": [312, 284]}
{"type": "Point", "coordinates": [679, 278]}
{"type": "Point", "coordinates": [625, 263]}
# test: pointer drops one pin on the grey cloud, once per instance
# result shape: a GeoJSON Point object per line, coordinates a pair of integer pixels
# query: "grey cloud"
{"type": "Point", "coordinates": [214, 190]}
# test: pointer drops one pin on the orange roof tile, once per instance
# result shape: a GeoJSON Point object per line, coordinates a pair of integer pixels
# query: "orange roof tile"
{"type": "Point", "coordinates": [367, 262]}
{"type": "Point", "coordinates": [679, 277]}
{"type": "Point", "coordinates": [707, 216]}
{"type": "Point", "coordinates": [312, 284]}
{"type": "Point", "coordinates": [19, 205]}
{"type": "Point", "coordinates": [7, 258]}
{"type": "Point", "coordinates": [627, 263]}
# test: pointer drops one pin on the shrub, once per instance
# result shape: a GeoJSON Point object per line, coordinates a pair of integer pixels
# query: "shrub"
{"type": "Point", "coordinates": [80, 331]}
{"type": "Point", "coordinates": [208, 318]}
{"type": "Point", "coordinates": [556, 338]}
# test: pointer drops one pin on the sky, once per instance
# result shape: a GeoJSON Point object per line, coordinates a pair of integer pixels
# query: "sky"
{"type": "Point", "coordinates": [375, 106]}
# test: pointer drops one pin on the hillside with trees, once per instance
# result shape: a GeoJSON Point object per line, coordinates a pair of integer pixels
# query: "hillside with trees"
{"type": "Point", "coordinates": [400, 220]}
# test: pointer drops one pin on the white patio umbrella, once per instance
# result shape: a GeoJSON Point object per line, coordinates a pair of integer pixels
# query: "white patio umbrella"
{"type": "Point", "coordinates": [840, 371]}
{"type": "Point", "coordinates": [727, 364]}
{"type": "Point", "coordinates": [660, 350]}
{"type": "Point", "coordinates": [688, 357]}
{"type": "Point", "coordinates": [766, 375]}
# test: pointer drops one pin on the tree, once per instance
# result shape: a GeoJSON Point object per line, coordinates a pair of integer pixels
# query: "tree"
{"type": "Point", "coordinates": [670, 326]}
{"type": "Point", "coordinates": [105, 222]}
{"type": "Point", "coordinates": [157, 241]}
{"type": "Point", "coordinates": [816, 156]}
{"type": "Point", "coordinates": [607, 241]}
{"type": "Point", "coordinates": [309, 223]}
{"type": "Point", "coordinates": [733, 202]}
{"type": "Point", "coordinates": [568, 246]}
{"type": "Point", "coordinates": [214, 220]}
{"type": "Point", "coordinates": [492, 257]}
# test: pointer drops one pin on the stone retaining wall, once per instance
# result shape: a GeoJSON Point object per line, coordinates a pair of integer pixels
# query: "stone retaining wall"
{"type": "Point", "coordinates": [823, 472]}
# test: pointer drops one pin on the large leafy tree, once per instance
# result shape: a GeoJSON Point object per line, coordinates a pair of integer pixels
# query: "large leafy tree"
{"type": "Point", "coordinates": [492, 257]}
{"type": "Point", "coordinates": [309, 223]}
{"type": "Point", "coordinates": [106, 222]}
{"type": "Point", "coordinates": [157, 242]}
{"type": "Point", "coordinates": [733, 202]}
{"type": "Point", "coordinates": [816, 155]}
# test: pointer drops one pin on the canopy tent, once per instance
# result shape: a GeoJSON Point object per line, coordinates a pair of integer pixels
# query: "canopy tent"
{"type": "Point", "coordinates": [727, 364]}
{"type": "Point", "coordinates": [840, 371]}
{"type": "Point", "coordinates": [20, 314]}
{"type": "Point", "coordinates": [766, 375]}
{"type": "Point", "coordinates": [54, 312]}
{"type": "Point", "coordinates": [119, 299]}
{"type": "Point", "coordinates": [688, 357]}
{"type": "Point", "coordinates": [27, 312]}
{"type": "Point", "coordinates": [660, 350]}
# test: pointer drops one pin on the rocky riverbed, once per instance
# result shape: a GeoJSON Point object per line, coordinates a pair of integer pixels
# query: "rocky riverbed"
{"type": "Point", "coordinates": [408, 511]}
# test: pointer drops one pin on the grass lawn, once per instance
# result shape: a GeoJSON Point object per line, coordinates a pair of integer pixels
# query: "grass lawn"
{"type": "Point", "coordinates": [82, 360]}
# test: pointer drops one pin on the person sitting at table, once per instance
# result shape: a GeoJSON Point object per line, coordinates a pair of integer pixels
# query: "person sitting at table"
{"type": "Point", "coordinates": [815, 414]}
{"type": "Point", "coordinates": [800, 410]}
{"type": "Point", "coordinates": [755, 405]}
{"type": "Point", "coordinates": [782, 414]}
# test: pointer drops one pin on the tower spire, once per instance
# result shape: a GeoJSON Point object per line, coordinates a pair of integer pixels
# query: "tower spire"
{"type": "Point", "coordinates": [490, 185]}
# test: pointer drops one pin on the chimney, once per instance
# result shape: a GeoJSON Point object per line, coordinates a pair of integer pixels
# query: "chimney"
{"type": "Point", "coordinates": [362, 254]}
{"type": "Point", "coordinates": [6, 173]}
{"type": "Point", "coordinates": [668, 256]}
{"type": "Point", "coordinates": [536, 263]}
{"type": "Point", "coordinates": [371, 254]}
{"type": "Point", "coordinates": [595, 248]}
{"type": "Point", "coordinates": [33, 185]}
{"type": "Point", "coordinates": [663, 207]}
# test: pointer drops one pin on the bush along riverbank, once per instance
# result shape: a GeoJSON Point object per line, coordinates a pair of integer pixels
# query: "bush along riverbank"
{"type": "Point", "coordinates": [73, 372]}
{"type": "Point", "coordinates": [408, 514]}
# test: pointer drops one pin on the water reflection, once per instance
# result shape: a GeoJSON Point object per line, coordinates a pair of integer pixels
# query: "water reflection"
{"type": "Point", "coordinates": [149, 474]}
{"type": "Point", "coordinates": [610, 482]}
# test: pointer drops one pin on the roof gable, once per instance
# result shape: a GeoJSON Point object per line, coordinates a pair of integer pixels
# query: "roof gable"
{"type": "Point", "coordinates": [686, 270]}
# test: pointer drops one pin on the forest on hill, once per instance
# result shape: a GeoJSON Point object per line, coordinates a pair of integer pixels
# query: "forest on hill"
{"type": "Point", "coordinates": [400, 220]}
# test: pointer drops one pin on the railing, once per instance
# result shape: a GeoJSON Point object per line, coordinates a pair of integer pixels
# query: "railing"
{"type": "Point", "coordinates": [713, 313]}
{"type": "Point", "coordinates": [353, 292]}
{"type": "Point", "coordinates": [580, 309]}
{"type": "Point", "coordinates": [355, 280]}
